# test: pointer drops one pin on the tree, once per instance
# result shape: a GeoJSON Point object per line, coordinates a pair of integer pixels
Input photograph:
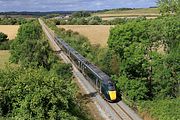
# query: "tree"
{"type": "Point", "coordinates": [169, 6]}
{"type": "Point", "coordinates": [3, 37]}
{"type": "Point", "coordinates": [38, 94]}
{"type": "Point", "coordinates": [28, 49]}
{"type": "Point", "coordinates": [137, 45]}
{"type": "Point", "coordinates": [81, 14]}
{"type": "Point", "coordinates": [4, 42]}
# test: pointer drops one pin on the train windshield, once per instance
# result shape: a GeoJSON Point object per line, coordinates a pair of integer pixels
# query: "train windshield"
{"type": "Point", "coordinates": [111, 86]}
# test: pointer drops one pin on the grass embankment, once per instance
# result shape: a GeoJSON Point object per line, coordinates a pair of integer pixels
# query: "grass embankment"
{"type": "Point", "coordinates": [4, 58]}
{"type": "Point", "coordinates": [96, 34]}
{"type": "Point", "coordinates": [167, 109]}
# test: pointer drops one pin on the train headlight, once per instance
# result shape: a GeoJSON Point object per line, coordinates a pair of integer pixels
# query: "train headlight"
{"type": "Point", "coordinates": [112, 95]}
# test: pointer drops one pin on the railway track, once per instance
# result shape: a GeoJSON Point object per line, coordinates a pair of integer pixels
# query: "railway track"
{"type": "Point", "coordinates": [109, 111]}
{"type": "Point", "coordinates": [123, 115]}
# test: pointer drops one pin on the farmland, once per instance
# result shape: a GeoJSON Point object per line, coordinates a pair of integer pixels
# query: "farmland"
{"type": "Point", "coordinates": [145, 12]}
{"type": "Point", "coordinates": [4, 58]}
{"type": "Point", "coordinates": [10, 30]}
{"type": "Point", "coordinates": [97, 34]}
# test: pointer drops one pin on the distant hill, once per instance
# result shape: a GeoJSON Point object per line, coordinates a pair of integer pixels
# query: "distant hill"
{"type": "Point", "coordinates": [38, 14]}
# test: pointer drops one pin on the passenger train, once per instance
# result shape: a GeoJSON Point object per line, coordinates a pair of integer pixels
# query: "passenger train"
{"type": "Point", "coordinates": [101, 81]}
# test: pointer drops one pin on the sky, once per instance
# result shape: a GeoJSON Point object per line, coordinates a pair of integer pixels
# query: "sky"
{"type": "Point", "coordinates": [71, 5]}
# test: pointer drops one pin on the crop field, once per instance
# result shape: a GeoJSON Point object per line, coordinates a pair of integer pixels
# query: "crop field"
{"type": "Point", "coordinates": [134, 11]}
{"type": "Point", "coordinates": [10, 30]}
{"type": "Point", "coordinates": [4, 58]}
{"type": "Point", "coordinates": [111, 18]}
{"type": "Point", "coordinates": [146, 12]}
{"type": "Point", "coordinates": [97, 34]}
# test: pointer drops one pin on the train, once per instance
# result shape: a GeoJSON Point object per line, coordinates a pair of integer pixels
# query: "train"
{"type": "Point", "coordinates": [100, 81]}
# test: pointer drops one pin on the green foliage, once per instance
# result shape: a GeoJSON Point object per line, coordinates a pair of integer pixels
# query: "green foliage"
{"type": "Point", "coordinates": [28, 49]}
{"type": "Point", "coordinates": [145, 72]}
{"type": "Point", "coordinates": [142, 71]}
{"type": "Point", "coordinates": [137, 45]}
{"type": "Point", "coordinates": [38, 94]}
{"type": "Point", "coordinates": [12, 21]}
{"type": "Point", "coordinates": [169, 6]}
{"type": "Point", "coordinates": [51, 16]}
{"type": "Point", "coordinates": [81, 14]}
{"type": "Point", "coordinates": [134, 90]}
{"type": "Point", "coordinates": [3, 37]}
{"type": "Point", "coordinates": [4, 42]}
{"type": "Point", "coordinates": [42, 87]}
{"type": "Point", "coordinates": [94, 20]}
{"type": "Point", "coordinates": [5, 45]}
{"type": "Point", "coordinates": [166, 109]}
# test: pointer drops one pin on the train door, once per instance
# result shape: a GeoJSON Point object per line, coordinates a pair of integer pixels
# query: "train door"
{"type": "Point", "coordinates": [69, 54]}
{"type": "Point", "coordinates": [79, 64]}
{"type": "Point", "coordinates": [98, 85]}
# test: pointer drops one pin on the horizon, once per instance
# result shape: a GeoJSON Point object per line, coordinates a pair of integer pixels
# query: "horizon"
{"type": "Point", "coordinates": [71, 5]}
{"type": "Point", "coordinates": [77, 10]}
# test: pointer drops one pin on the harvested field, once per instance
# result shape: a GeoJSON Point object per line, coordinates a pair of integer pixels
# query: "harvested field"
{"type": "Point", "coordinates": [10, 30]}
{"type": "Point", "coordinates": [4, 58]}
{"type": "Point", "coordinates": [97, 34]}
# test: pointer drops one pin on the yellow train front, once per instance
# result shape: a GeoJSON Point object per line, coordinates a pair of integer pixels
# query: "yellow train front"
{"type": "Point", "coordinates": [109, 91]}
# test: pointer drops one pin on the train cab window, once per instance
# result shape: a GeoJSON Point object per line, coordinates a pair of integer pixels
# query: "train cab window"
{"type": "Point", "coordinates": [111, 86]}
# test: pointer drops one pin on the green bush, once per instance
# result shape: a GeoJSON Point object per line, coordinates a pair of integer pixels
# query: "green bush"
{"type": "Point", "coordinates": [137, 43]}
{"type": "Point", "coordinates": [3, 37]}
{"type": "Point", "coordinates": [5, 45]}
{"type": "Point", "coordinates": [38, 94]}
{"type": "Point", "coordinates": [4, 42]}
{"type": "Point", "coordinates": [12, 21]}
{"type": "Point", "coordinates": [29, 49]}
{"type": "Point", "coordinates": [80, 14]}
{"type": "Point", "coordinates": [166, 109]}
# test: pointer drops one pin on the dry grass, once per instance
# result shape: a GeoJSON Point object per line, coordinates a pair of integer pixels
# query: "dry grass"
{"type": "Point", "coordinates": [97, 34]}
{"type": "Point", "coordinates": [10, 30]}
{"type": "Point", "coordinates": [4, 58]}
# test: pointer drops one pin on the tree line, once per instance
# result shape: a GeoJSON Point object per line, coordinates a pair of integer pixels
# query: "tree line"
{"type": "Point", "coordinates": [12, 21]}
{"type": "Point", "coordinates": [93, 20]}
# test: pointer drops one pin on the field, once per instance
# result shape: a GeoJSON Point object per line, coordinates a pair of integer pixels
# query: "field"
{"type": "Point", "coordinates": [4, 58]}
{"type": "Point", "coordinates": [10, 30]}
{"type": "Point", "coordinates": [146, 12]}
{"type": "Point", "coordinates": [97, 34]}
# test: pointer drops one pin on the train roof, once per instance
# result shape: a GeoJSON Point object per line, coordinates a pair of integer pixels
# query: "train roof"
{"type": "Point", "coordinates": [92, 67]}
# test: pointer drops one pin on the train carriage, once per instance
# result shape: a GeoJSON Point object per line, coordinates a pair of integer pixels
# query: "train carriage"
{"type": "Point", "coordinates": [97, 78]}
